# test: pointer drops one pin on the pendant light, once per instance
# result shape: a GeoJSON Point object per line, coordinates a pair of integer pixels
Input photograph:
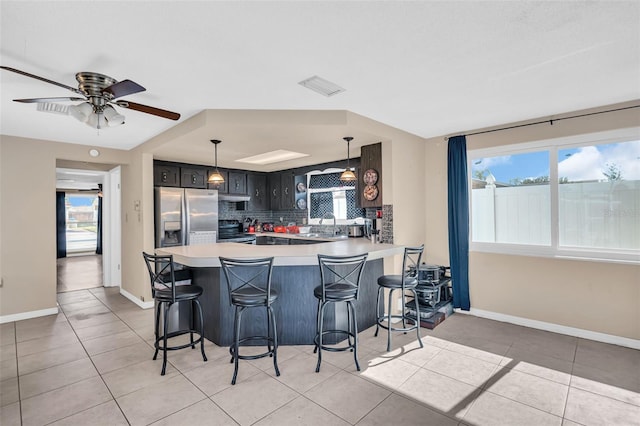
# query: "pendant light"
{"type": "Point", "coordinates": [348, 175]}
{"type": "Point", "coordinates": [215, 177]}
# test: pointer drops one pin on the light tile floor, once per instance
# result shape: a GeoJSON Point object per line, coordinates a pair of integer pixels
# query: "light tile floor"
{"type": "Point", "coordinates": [91, 365]}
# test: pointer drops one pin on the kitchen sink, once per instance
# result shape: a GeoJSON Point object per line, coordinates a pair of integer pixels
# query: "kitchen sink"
{"type": "Point", "coordinates": [324, 236]}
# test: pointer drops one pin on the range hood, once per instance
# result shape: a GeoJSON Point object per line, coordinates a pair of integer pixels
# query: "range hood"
{"type": "Point", "coordinates": [234, 198]}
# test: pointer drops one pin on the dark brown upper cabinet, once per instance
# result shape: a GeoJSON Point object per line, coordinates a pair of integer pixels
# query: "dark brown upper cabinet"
{"type": "Point", "coordinates": [166, 175]}
{"type": "Point", "coordinates": [257, 190]}
{"type": "Point", "coordinates": [237, 182]}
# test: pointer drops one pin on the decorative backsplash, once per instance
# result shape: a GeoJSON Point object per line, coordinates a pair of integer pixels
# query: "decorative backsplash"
{"type": "Point", "coordinates": [229, 211]}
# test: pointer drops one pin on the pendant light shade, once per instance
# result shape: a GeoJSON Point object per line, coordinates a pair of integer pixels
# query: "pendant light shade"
{"type": "Point", "coordinates": [348, 175]}
{"type": "Point", "coordinates": [215, 177]}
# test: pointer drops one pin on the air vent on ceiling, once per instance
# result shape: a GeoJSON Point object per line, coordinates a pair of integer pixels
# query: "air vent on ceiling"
{"type": "Point", "coordinates": [322, 86]}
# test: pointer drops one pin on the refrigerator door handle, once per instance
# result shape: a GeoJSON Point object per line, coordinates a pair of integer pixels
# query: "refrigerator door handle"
{"type": "Point", "coordinates": [186, 219]}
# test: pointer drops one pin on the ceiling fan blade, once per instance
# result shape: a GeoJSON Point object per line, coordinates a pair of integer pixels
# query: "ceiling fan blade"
{"type": "Point", "coordinates": [46, 80]}
{"type": "Point", "coordinates": [36, 100]}
{"type": "Point", "coordinates": [124, 88]}
{"type": "Point", "coordinates": [149, 110]}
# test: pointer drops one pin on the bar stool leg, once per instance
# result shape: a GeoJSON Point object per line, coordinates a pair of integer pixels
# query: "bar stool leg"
{"type": "Point", "coordinates": [389, 321]}
{"type": "Point", "coordinates": [275, 340]}
{"type": "Point", "coordinates": [157, 326]}
{"type": "Point", "coordinates": [315, 349]}
{"type": "Point", "coordinates": [164, 338]}
{"type": "Point", "coordinates": [319, 346]}
{"type": "Point", "coordinates": [197, 302]}
{"type": "Point", "coordinates": [236, 340]}
{"type": "Point", "coordinates": [355, 333]}
{"type": "Point", "coordinates": [378, 316]}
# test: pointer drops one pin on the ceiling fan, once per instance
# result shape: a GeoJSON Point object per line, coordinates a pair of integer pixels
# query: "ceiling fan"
{"type": "Point", "coordinates": [99, 94]}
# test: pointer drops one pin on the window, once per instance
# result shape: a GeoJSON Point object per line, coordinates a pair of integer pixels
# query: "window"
{"type": "Point", "coordinates": [81, 212]}
{"type": "Point", "coordinates": [328, 195]}
{"type": "Point", "coordinates": [574, 197]}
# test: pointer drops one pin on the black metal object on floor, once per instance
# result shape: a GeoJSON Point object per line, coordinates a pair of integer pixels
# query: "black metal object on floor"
{"type": "Point", "coordinates": [340, 282]}
{"type": "Point", "coordinates": [407, 281]}
{"type": "Point", "coordinates": [162, 275]}
{"type": "Point", "coordinates": [249, 285]}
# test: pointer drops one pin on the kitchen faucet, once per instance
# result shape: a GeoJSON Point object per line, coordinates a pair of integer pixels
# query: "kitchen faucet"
{"type": "Point", "coordinates": [329, 215]}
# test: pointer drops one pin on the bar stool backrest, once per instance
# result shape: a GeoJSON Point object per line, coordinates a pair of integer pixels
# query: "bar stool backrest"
{"type": "Point", "coordinates": [410, 264]}
{"type": "Point", "coordinates": [161, 273]}
{"type": "Point", "coordinates": [253, 275]}
{"type": "Point", "coordinates": [341, 274]}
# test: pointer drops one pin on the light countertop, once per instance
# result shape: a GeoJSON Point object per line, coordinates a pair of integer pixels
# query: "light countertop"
{"type": "Point", "coordinates": [207, 255]}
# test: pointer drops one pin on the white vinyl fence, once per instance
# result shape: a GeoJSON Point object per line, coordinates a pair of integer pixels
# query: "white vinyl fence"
{"type": "Point", "coordinates": [590, 214]}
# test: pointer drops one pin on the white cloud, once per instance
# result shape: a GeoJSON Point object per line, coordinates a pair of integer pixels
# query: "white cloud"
{"type": "Point", "coordinates": [488, 162]}
{"type": "Point", "coordinates": [589, 162]}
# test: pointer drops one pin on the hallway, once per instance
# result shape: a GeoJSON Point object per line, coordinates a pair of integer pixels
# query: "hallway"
{"type": "Point", "coordinates": [79, 273]}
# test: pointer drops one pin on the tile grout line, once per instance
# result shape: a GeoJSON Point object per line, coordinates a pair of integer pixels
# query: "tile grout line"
{"type": "Point", "coordinates": [94, 366]}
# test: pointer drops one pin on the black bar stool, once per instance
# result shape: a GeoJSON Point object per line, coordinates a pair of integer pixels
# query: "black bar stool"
{"type": "Point", "coordinates": [249, 285]}
{"type": "Point", "coordinates": [340, 282]}
{"type": "Point", "coordinates": [407, 281]}
{"type": "Point", "coordinates": [162, 275]}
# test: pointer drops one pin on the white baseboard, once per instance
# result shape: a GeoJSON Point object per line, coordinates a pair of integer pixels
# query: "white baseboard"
{"type": "Point", "coordinates": [28, 315]}
{"type": "Point", "coordinates": [137, 301]}
{"type": "Point", "coordinates": [555, 328]}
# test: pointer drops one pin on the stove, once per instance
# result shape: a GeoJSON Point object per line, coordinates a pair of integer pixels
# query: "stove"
{"type": "Point", "coordinates": [231, 231]}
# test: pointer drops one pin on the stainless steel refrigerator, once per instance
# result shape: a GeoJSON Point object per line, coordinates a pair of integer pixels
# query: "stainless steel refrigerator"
{"type": "Point", "coordinates": [185, 216]}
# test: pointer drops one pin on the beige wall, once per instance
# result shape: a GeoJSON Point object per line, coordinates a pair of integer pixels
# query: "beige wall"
{"type": "Point", "coordinates": [595, 296]}
{"type": "Point", "coordinates": [28, 219]}
{"type": "Point", "coordinates": [137, 225]}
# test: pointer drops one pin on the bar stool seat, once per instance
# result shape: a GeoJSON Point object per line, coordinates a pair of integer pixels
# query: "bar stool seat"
{"type": "Point", "coordinates": [407, 281]}
{"type": "Point", "coordinates": [166, 293]}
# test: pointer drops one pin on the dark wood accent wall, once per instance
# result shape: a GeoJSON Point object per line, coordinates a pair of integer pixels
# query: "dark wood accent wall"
{"type": "Point", "coordinates": [370, 158]}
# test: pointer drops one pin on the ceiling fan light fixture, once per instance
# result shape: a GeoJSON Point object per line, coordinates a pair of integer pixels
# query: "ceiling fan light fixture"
{"type": "Point", "coordinates": [112, 116]}
{"type": "Point", "coordinates": [348, 175]}
{"type": "Point", "coordinates": [97, 121]}
{"type": "Point", "coordinates": [81, 112]}
{"type": "Point", "coordinates": [216, 178]}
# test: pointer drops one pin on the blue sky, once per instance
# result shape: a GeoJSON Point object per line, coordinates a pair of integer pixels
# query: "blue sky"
{"type": "Point", "coordinates": [576, 164]}
{"type": "Point", "coordinates": [80, 200]}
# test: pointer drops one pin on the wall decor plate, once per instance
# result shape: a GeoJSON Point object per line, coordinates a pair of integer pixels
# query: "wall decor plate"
{"type": "Point", "coordinates": [370, 177]}
{"type": "Point", "coordinates": [301, 187]}
{"type": "Point", "coordinates": [370, 192]}
{"type": "Point", "coordinates": [302, 203]}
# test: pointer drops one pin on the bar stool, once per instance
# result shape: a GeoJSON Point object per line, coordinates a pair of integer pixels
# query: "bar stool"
{"type": "Point", "coordinates": [249, 285]}
{"type": "Point", "coordinates": [340, 282]}
{"type": "Point", "coordinates": [162, 275]}
{"type": "Point", "coordinates": [407, 281]}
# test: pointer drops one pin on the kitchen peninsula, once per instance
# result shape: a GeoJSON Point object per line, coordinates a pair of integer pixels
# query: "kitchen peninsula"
{"type": "Point", "coordinates": [295, 275]}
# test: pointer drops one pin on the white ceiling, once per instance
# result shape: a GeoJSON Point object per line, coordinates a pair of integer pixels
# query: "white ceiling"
{"type": "Point", "coordinates": [429, 68]}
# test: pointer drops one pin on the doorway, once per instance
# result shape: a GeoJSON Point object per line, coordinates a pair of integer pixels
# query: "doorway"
{"type": "Point", "coordinates": [88, 228]}
{"type": "Point", "coordinates": [81, 267]}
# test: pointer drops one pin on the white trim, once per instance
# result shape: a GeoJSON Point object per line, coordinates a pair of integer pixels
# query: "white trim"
{"type": "Point", "coordinates": [134, 299]}
{"type": "Point", "coordinates": [28, 315]}
{"type": "Point", "coordinates": [554, 328]}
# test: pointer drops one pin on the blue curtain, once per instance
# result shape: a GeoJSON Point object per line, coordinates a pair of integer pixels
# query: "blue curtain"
{"type": "Point", "coordinates": [61, 226]}
{"type": "Point", "coordinates": [459, 220]}
{"type": "Point", "coordinates": [99, 226]}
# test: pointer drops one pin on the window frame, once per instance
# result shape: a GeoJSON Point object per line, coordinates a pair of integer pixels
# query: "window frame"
{"type": "Point", "coordinates": [316, 221]}
{"type": "Point", "coordinates": [553, 250]}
